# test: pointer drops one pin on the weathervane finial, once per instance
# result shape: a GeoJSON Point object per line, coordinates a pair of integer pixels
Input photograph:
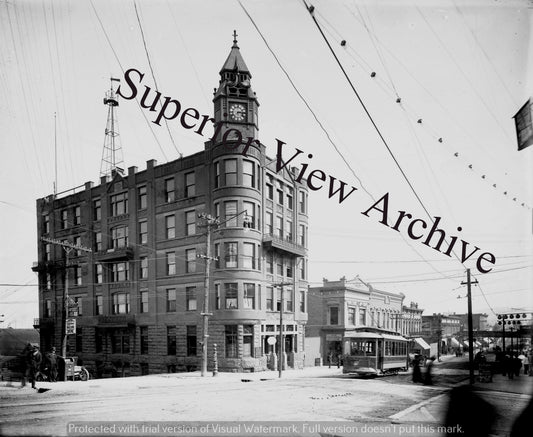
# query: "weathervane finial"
{"type": "Point", "coordinates": [235, 38]}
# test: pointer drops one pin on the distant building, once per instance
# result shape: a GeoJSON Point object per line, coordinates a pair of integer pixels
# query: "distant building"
{"type": "Point", "coordinates": [340, 306]}
{"type": "Point", "coordinates": [479, 321]}
{"type": "Point", "coordinates": [411, 320]}
{"type": "Point", "coordinates": [138, 298]}
{"type": "Point", "coordinates": [441, 329]}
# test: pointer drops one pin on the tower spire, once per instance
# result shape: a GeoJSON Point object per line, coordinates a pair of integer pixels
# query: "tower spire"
{"type": "Point", "coordinates": [112, 158]}
{"type": "Point", "coordinates": [235, 39]}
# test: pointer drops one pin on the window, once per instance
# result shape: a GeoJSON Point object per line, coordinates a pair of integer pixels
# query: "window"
{"type": "Point", "coordinates": [362, 316]}
{"type": "Point", "coordinates": [279, 266]}
{"type": "Point", "coordinates": [144, 301]}
{"type": "Point", "coordinates": [99, 309]}
{"type": "Point", "coordinates": [217, 174]}
{"type": "Point", "coordinates": [144, 340]}
{"type": "Point", "coordinates": [288, 230]}
{"type": "Point", "coordinates": [231, 254]}
{"type": "Point", "coordinates": [77, 215]}
{"type": "Point", "coordinates": [120, 272]}
{"type": "Point", "coordinates": [119, 237]}
{"type": "Point", "coordinates": [142, 197]}
{"type": "Point", "coordinates": [190, 298]}
{"type": "Point", "coordinates": [64, 219]}
{"type": "Point", "coordinates": [333, 315]}
{"type": "Point", "coordinates": [248, 256]}
{"type": "Point", "coordinates": [248, 173]}
{"type": "Point", "coordinates": [288, 300]}
{"type": "Point", "coordinates": [269, 223]}
{"type": "Point", "coordinates": [351, 316]}
{"type": "Point", "coordinates": [121, 303]}
{"type": "Point", "coordinates": [170, 226]}
{"type": "Point", "coordinates": [231, 296]}
{"type": "Point", "coordinates": [46, 224]}
{"type": "Point", "coordinates": [98, 241]}
{"type": "Point", "coordinates": [171, 300]}
{"type": "Point", "coordinates": [249, 296]}
{"type": "Point", "coordinates": [191, 340]}
{"type": "Point", "coordinates": [97, 209]}
{"type": "Point", "coordinates": [249, 216]}
{"type": "Point", "coordinates": [171, 340]}
{"type": "Point", "coordinates": [77, 242]}
{"type": "Point", "coordinates": [143, 271]}
{"type": "Point", "coordinates": [79, 339]}
{"type": "Point", "coordinates": [280, 192]}
{"type": "Point", "coordinates": [302, 235]}
{"type": "Point", "coordinates": [302, 301]}
{"type": "Point", "coordinates": [231, 213]}
{"type": "Point", "coordinates": [270, 298]}
{"type": "Point", "coordinates": [170, 194]}
{"type": "Point", "coordinates": [119, 204]}
{"type": "Point", "coordinates": [247, 341]}
{"type": "Point", "coordinates": [78, 306]}
{"type": "Point", "coordinates": [143, 232]}
{"type": "Point", "coordinates": [78, 276]}
{"type": "Point", "coordinates": [290, 197]}
{"type": "Point", "coordinates": [48, 281]}
{"type": "Point", "coordinates": [190, 185]}
{"type": "Point", "coordinates": [120, 341]}
{"type": "Point", "coordinates": [231, 341]}
{"type": "Point", "coordinates": [302, 268]}
{"type": "Point", "coordinates": [217, 296]}
{"type": "Point", "coordinates": [190, 223]}
{"type": "Point", "coordinates": [270, 262]}
{"type": "Point", "coordinates": [230, 167]}
{"type": "Point", "coordinates": [171, 263]}
{"type": "Point", "coordinates": [217, 255]}
{"type": "Point", "coordinates": [279, 226]}
{"type": "Point", "coordinates": [47, 252]}
{"type": "Point", "coordinates": [289, 268]}
{"type": "Point", "coordinates": [190, 260]}
{"type": "Point", "coordinates": [270, 188]}
{"type": "Point", "coordinates": [47, 308]}
{"type": "Point", "coordinates": [302, 201]}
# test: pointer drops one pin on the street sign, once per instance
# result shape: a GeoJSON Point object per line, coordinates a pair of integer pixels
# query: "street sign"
{"type": "Point", "coordinates": [271, 340]}
{"type": "Point", "coordinates": [71, 326]}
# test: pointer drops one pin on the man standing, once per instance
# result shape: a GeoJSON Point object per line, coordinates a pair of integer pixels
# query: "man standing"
{"type": "Point", "coordinates": [33, 364]}
{"type": "Point", "coordinates": [52, 363]}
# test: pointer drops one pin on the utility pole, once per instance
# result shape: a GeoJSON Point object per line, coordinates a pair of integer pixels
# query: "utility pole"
{"type": "Point", "coordinates": [470, 327]}
{"type": "Point", "coordinates": [280, 285]}
{"type": "Point", "coordinates": [210, 222]}
{"type": "Point", "coordinates": [67, 247]}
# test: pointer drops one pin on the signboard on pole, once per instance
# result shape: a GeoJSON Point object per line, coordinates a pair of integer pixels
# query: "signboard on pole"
{"type": "Point", "coordinates": [71, 326]}
{"type": "Point", "coordinates": [524, 125]}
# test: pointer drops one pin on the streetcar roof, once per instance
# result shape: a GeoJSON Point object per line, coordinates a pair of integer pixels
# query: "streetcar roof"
{"type": "Point", "coordinates": [371, 335]}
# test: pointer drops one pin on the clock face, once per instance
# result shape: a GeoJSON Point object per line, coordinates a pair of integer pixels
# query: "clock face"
{"type": "Point", "coordinates": [237, 112]}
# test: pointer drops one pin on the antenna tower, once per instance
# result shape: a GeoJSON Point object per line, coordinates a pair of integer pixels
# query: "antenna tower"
{"type": "Point", "coordinates": [112, 158]}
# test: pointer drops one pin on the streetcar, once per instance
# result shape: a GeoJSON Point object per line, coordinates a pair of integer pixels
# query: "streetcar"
{"type": "Point", "coordinates": [374, 352]}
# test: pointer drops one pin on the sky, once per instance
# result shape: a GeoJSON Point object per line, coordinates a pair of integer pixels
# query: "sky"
{"type": "Point", "coordinates": [433, 127]}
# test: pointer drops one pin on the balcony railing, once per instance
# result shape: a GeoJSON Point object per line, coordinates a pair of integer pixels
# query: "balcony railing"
{"type": "Point", "coordinates": [116, 320]}
{"type": "Point", "coordinates": [283, 244]}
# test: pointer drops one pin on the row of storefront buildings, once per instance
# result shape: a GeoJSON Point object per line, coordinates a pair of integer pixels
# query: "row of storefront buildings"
{"type": "Point", "coordinates": [122, 263]}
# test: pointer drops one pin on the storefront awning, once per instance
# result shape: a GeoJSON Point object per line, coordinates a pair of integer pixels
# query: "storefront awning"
{"type": "Point", "coordinates": [422, 343]}
{"type": "Point", "coordinates": [454, 342]}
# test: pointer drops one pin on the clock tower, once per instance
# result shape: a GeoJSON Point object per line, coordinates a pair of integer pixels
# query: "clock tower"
{"type": "Point", "coordinates": [235, 102]}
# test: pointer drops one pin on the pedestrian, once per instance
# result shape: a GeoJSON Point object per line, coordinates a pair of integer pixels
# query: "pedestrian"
{"type": "Point", "coordinates": [339, 360]}
{"type": "Point", "coordinates": [330, 359]}
{"type": "Point", "coordinates": [24, 360]}
{"type": "Point", "coordinates": [33, 365]}
{"type": "Point", "coordinates": [508, 366]}
{"type": "Point", "coordinates": [516, 364]}
{"type": "Point", "coordinates": [428, 379]}
{"type": "Point", "coordinates": [52, 365]}
{"type": "Point", "coordinates": [417, 374]}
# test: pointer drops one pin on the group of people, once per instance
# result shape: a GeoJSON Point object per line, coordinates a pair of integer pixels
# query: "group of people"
{"type": "Point", "coordinates": [427, 377]}
{"type": "Point", "coordinates": [34, 364]}
{"type": "Point", "coordinates": [513, 362]}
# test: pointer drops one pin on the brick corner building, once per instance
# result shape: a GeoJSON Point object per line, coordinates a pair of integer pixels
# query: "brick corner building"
{"type": "Point", "coordinates": [137, 298]}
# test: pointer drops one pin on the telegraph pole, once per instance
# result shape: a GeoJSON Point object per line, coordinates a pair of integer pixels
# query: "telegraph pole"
{"type": "Point", "coordinates": [210, 221]}
{"type": "Point", "coordinates": [67, 247]}
{"type": "Point", "coordinates": [470, 327]}
{"type": "Point", "coordinates": [280, 285]}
